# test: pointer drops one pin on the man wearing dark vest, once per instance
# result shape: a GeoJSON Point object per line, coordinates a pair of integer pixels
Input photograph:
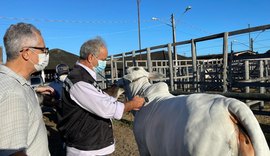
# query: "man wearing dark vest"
{"type": "Point", "coordinates": [86, 111]}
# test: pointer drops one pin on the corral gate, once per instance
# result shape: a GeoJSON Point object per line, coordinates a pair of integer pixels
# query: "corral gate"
{"type": "Point", "coordinates": [224, 75]}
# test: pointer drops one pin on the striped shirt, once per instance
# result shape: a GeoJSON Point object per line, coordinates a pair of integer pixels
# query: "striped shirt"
{"type": "Point", "coordinates": [22, 125]}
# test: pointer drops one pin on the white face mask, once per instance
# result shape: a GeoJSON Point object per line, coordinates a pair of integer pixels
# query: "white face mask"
{"type": "Point", "coordinates": [100, 67]}
{"type": "Point", "coordinates": [62, 78]}
{"type": "Point", "coordinates": [43, 61]}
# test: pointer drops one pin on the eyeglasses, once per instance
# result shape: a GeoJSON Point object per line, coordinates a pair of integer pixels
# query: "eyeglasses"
{"type": "Point", "coordinates": [43, 49]}
{"type": "Point", "coordinates": [98, 58]}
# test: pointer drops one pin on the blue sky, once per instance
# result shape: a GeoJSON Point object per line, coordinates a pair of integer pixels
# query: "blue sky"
{"type": "Point", "coordinates": [67, 24]}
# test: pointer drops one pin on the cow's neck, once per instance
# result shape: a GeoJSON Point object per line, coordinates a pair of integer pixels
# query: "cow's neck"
{"type": "Point", "coordinates": [154, 92]}
{"type": "Point", "coordinates": [142, 88]}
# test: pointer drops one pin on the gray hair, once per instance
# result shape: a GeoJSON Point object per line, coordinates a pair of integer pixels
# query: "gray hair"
{"type": "Point", "coordinates": [92, 46]}
{"type": "Point", "coordinates": [18, 36]}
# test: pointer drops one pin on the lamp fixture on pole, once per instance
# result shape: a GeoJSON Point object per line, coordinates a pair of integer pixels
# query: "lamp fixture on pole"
{"type": "Point", "coordinates": [236, 41]}
{"type": "Point", "coordinates": [250, 47]}
{"type": "Point", "coordinates": [172, 25]}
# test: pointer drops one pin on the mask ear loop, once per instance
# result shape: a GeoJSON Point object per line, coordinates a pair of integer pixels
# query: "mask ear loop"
{"type": "Point", "coordinates": [31, 59]}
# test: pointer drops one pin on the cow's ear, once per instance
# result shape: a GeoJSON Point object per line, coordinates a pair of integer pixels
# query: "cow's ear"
{"type": "Point", "coordinates": [135, 73]}
{"type": "Point", "coordinates": [153, 76]}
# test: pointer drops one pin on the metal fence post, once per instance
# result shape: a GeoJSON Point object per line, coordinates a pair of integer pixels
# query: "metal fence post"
{"type": "Point", "coordinates": [171, 66]}
{"type": "Point", "coordinates": [225, 62]}
{"type": "Point", "coordinates": [194, 64]}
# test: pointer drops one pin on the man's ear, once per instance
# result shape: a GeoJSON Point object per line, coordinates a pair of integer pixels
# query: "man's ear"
{"type": "Point", "coordinates": [25, 54]}
{"type": "Point", "coordinates": [91, 57]}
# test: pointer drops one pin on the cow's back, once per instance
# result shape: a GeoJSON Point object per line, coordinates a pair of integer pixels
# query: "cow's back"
{"type": "Point", "coordinates": [184, 125]}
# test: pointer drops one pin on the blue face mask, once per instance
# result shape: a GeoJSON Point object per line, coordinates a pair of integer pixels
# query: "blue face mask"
{"type": "Point", "coordinates": [100, 67]}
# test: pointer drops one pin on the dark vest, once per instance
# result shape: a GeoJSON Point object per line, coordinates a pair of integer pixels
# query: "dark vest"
{"type": "Point", "coordinates": [78, 127]}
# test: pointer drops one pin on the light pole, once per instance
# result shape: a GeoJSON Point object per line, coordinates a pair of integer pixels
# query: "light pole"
{"type": "Point", "coordinates": [139, 23]}
{"type": "Point", "coordinates": [1, 55]}
{"type": "Point", "coordinates": [172, 25]}
{"type": "Point", "coordinates": [174, 37]}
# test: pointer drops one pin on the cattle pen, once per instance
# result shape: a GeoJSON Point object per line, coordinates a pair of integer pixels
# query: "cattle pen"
{"type": "Point", "coordinates": [242, 74]}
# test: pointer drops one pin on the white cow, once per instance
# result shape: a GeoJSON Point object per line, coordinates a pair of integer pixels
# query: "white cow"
{"type": "Point", "coordinates": [191, 125]}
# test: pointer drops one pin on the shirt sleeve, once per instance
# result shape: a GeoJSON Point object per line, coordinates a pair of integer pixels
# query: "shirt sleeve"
{"type": "Point", "coordinates": [96, 101]}
{"type": "Point", "coordinates": [14, 122]}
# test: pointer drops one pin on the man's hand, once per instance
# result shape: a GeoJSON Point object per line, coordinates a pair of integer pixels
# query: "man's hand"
{"type": "Point", "coordinates": [44, 90]}
{"type": "Point", "coordinates": [135, 104]}
{"type": "Point", "coordinates": [138, 102]}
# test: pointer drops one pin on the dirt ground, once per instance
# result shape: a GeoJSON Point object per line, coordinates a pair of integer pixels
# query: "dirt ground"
{"type": "Point", "coordinates": [125, 141]}
{"type": "Point", "coordinates": [124, 137]}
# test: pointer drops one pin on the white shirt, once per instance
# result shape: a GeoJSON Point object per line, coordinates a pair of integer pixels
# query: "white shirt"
{"type": "Point", "coordinates": [97, 102]}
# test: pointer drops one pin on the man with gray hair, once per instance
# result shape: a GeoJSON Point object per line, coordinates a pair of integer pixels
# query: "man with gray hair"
{"type": "Point", "coordinates": [86, 111]}
{"type": "Point", "coordinates": [22, 131]}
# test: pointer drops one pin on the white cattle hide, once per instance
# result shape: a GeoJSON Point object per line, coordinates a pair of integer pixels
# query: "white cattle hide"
{"type": "Point", "coordinates": [190, 125]}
